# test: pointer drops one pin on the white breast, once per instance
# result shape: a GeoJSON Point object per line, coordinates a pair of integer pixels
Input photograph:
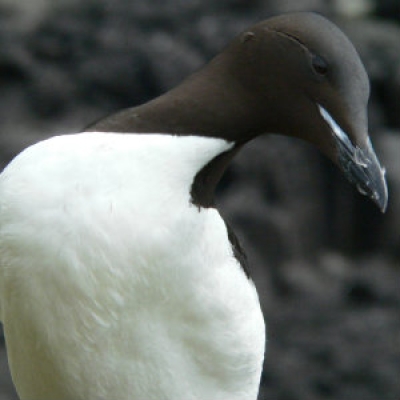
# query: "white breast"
{"type": "Point", "coordinates": [112, 284]}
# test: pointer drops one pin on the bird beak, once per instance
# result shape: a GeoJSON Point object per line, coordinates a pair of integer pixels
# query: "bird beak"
{"type": "Point", "coordinates": [359, 164]}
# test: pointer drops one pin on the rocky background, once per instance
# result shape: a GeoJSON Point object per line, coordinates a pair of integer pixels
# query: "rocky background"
{"type": "Point", "coordinates": [325, 261]}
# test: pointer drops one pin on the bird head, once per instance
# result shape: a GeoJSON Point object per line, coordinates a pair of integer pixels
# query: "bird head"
{"type": "Point", "coordinates": [302, 77]}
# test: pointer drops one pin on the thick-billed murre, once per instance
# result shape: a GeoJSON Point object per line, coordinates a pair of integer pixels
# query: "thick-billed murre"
{"type": "Point", "coordinates": [118, 277]}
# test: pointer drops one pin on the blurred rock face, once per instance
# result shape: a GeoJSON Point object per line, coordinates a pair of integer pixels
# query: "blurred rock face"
{"type": "Point", "coordinates": [333, 319]}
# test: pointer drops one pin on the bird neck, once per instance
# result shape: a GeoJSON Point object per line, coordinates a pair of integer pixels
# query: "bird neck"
{"type": "Point", "coordinates": [210, 103]}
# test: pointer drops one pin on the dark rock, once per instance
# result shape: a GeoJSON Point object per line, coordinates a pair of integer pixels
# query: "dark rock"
{"type": "Point", "coordinates": [389, 9]}
{"type": "Point", "coordinates": [379, 47]}
{"type": "Point", "coordinates": [336, 341]}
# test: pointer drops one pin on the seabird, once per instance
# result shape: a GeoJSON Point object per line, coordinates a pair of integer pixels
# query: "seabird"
{"type": "Point", "coordinates": [118, 277]}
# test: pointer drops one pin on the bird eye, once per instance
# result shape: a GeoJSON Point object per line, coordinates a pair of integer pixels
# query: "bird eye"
{"type": "Point", "coordinates": [319, 65]}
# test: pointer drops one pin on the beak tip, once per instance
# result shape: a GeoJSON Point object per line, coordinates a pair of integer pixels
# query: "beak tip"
{"type": "Point", "coordinates": [382, 200]}
{"type": "Point", "coordinates": [378, 192]}
{"type": "Point", "coordinates": [382, 204]}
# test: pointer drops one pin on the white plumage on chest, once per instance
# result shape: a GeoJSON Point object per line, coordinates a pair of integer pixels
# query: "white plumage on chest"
{"type": "Point", "coordinates": [112, 284]}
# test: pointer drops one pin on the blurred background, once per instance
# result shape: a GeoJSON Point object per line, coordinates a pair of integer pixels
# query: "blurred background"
{"type": "Point", "coordinates": [325, 261]}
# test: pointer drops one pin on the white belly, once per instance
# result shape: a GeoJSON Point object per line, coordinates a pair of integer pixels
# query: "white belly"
{"type": "Point", "coordinates": [112, 285]}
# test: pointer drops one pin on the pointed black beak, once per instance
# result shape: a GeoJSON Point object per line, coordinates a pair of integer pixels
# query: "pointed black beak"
{"type": "Point", "coordinates": [362, 168]}
{"type": "Point", "coordinates": [360, 165]}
